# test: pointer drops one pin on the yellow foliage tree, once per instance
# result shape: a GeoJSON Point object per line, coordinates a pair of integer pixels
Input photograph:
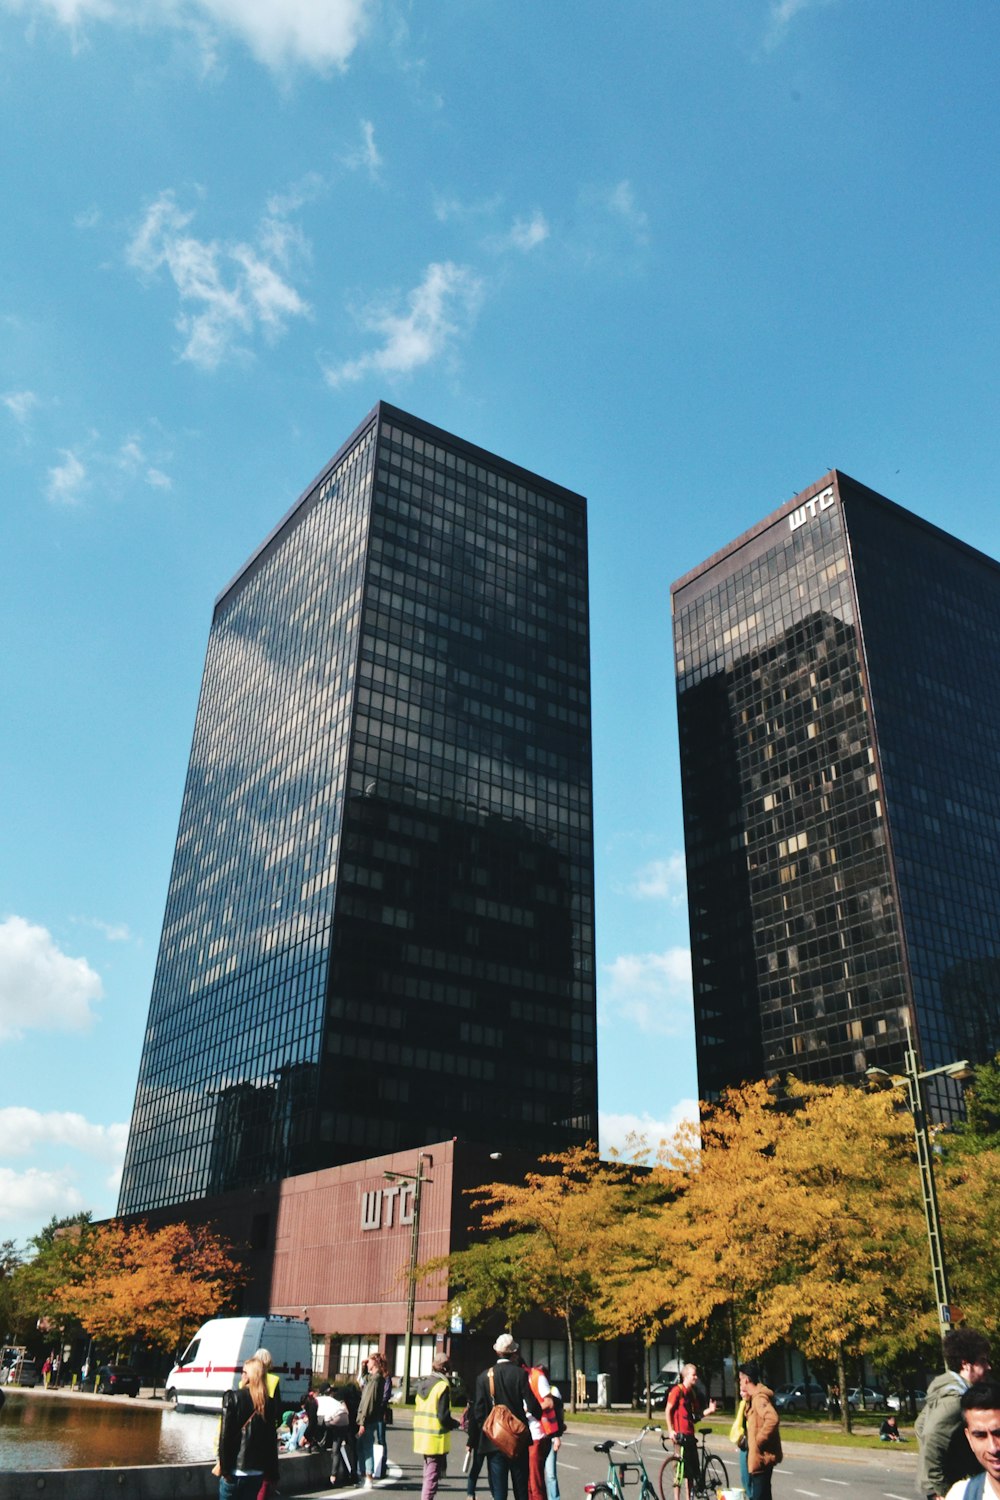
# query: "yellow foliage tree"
{"type": "Point", "coordinates": [856, 1275]}
{"type": "Point", "coordinates": [728, 1231]}
{"type": "Point", "coordinates": [132, 1282]}
{"type": "Point", "coordinates": [557, 1218]}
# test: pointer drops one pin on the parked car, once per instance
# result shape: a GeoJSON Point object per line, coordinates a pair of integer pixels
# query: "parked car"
{"type": "Point", "coordinates": [802, 1397]}
{"type": "Point", "coordinates": [866, 1398]}
{"type": "Point", "coordinates": [25, 1372]}
{"type": "Point", "coordinates": [117, 1380]}
{"type": "Point", "coordinates": [898, 1402]}
{"type": "Point", "coordinates": [661, 1385]}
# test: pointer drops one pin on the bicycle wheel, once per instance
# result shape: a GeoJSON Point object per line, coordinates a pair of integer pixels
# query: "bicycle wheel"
{"type": "Point", "coordinates": [671, 1473]}
{"type": "Point", "coordinates": [714, 1477]}
{"type": "Point", "coordinates": [602, 1492]}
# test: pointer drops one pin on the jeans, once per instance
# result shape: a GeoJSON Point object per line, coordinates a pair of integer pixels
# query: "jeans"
{"type": "Point", "coordinates": [476, 1461]}
{"type": "Point", "coordinates": [551, 1475]}
{"type": "Point", "coordinates": [366, 1450]}
{"type": "Point", "coordinates": [760, 1485]}
{"type": "Point", "coordinates": [240, 1487]}
{"type": "Point", "coordinates": [499, 1467]}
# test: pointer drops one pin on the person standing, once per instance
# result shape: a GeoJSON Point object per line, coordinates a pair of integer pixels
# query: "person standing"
{"type": "Point", "coordinates": [371, 1417]}
{"type": "Point", "coordinates": [272, 1383]}
{"type": "Point", "coordinates": [432, 1424]}
{"type": "Point", "coordinates": [763, 1438]}
{"type": "Point", "coordinates": [684, 1410]}
{"type": "Point", "coordinates": [542, 1429]}
{"type": "Point", "coordinates": [552, 1462]}
{"type": "Point", "coordinates": [475, 1459]}
{"type": "Point", "coordinates": [738, 1435]}
{"type": "Point", "coordinates": [248, 1439]}
{"type": "Point", "coordinates": [505, 1383]}
{"type": "Point", "coordinates": [945, 1455]}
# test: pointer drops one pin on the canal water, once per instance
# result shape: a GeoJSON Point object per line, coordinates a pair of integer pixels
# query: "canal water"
{"type": "Point", "coordinates": [79, 1433]}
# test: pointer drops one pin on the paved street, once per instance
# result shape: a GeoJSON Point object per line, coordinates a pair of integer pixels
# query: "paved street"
{"type": "Point", "coordinates": [814, 1472]}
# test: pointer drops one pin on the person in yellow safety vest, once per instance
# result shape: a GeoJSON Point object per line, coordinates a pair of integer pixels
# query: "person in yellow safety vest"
{"type": "Point", "coordinates": [433, 1424]}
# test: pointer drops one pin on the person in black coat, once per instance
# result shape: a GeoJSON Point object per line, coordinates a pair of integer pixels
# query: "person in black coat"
{"type": "Point", "coordinates": [248, 1440]}
{"type": "Point", "coordinates": [510, 1389]}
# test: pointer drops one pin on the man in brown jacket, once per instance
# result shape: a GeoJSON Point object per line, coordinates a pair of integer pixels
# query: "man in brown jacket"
{"type": "Point", "coordinates": [763, 1440]}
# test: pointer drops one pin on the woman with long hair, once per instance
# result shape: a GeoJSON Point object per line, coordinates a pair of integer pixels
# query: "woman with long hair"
{"type": "Point", "coordinates": [248, 1442]}
{"type": "Point", "coordinates": [371, 1416]}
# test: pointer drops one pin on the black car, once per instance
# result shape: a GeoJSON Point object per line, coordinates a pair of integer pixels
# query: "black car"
{"type": "Point", "coordinates": [117, 1380]}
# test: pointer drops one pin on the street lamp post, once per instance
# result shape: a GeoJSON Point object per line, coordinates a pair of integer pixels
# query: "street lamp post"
{"type": "Point", "coordinates": [418, 1179]}
{"type": "Point", "coordinates": [925, 1164]}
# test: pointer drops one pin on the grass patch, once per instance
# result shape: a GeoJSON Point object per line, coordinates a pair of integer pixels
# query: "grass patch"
{"type": "Point", "coordinates": [799, 1429]}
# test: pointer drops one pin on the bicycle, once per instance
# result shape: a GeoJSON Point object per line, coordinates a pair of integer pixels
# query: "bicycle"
{"type": "Point", "coordinates": [614, 1487]}
{"type": "Point", "coordinates": [710, 1476]}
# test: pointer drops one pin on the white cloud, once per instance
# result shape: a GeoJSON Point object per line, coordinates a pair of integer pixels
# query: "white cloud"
{"type": "Point", "coordinates": [225, 291]}
{"type": "Point", "coordinates": [619, 1132]}
{"type": "Point", "coordinates": [447, 209]}
{"type": "Point", "coordinates": [525, 234]}
{"type": "Point", "coordinates": [20, 404]}
{"type": "Point", "coordinates": [441, 308]}
{"type": "Point", "coordinates": [783, 13]}
{"type": "Point", "coordinates": [308, 188]}
{"type": "Point", "coordinates": [24, 1130]}
{"type": "Point", "coordinates": [621, 202]}
{"type": "Point", "coordinates": [661, 880]}
{"type": "Point", "coordinates": [40, 986]}
{"type": "Point", "coordinates": [115, 932]}
{"type": "Point", "coordinates": [36, 1195]}
{"type": "Point", "coordinates": [367, 155]}
{"type": "Point", "coordinates": [652, 990]}
{"type": "Point", "coordinates": [320, 34]}
{"type": "Point", "coordinates": [109, 470]}
{"type": "Point", "coordinates": [66, 480]}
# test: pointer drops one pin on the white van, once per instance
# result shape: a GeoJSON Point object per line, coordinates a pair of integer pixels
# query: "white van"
{"type": "Point", "coordinates": [213, 1361]}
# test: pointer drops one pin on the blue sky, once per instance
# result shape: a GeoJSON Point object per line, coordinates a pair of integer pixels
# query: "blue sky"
{"type": "Point", "coordinates": [680, 255]}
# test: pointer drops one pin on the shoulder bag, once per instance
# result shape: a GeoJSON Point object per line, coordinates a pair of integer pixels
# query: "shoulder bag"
{"type": "Point", "coordinates": [505, 1430]}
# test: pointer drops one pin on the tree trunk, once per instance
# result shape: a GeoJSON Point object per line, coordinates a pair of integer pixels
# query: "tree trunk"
{"type": "Point", "coordinates": [845, 1405]}
{"type": "Point", "coordinates": [647, 1350]}
{"type": "Point", "coordinates": [734, 1350]}
{"type": "Point", "coordinates": [570, 1361]}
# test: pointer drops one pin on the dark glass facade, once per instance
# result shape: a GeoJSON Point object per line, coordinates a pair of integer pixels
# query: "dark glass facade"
{"type": "Point", "coordinates": [838, 684]}
{"type": "Point", "coordinates": [380, 920]}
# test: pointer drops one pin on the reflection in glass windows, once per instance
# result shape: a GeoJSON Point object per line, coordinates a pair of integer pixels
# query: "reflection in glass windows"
{"type": "Point", "coordinates": [379, 927]}
{"type": "Point", "coordinates": [839, 710]}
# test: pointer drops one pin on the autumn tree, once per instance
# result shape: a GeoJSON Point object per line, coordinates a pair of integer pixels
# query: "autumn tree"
{"type": "Point", "coordinates": [133, 1282]}
{"type": "Point", "coordinates": [489, 1280]}
{"type": "Point", "coordinates": [548, 1258]}
{"type": "Point", "coordinates": [632, 1295]}
{"type": "Point", "coordinates": [855, 1277]}
{"type": "Point", "coordinates": [727, 1230]}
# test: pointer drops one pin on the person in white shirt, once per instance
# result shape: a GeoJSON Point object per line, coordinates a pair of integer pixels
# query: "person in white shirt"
{"type": "Point", "coordinates": [981, 1419]}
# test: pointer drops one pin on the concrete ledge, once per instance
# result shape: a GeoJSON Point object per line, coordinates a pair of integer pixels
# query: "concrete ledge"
{"type": "Point", "coordinates": [301, 1474]}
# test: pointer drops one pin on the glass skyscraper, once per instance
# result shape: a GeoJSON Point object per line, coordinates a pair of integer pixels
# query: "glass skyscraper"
{"type": "Point", "coordinates": [380, 921]}
{"type": "Point", "coordinates": [838, 681]}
